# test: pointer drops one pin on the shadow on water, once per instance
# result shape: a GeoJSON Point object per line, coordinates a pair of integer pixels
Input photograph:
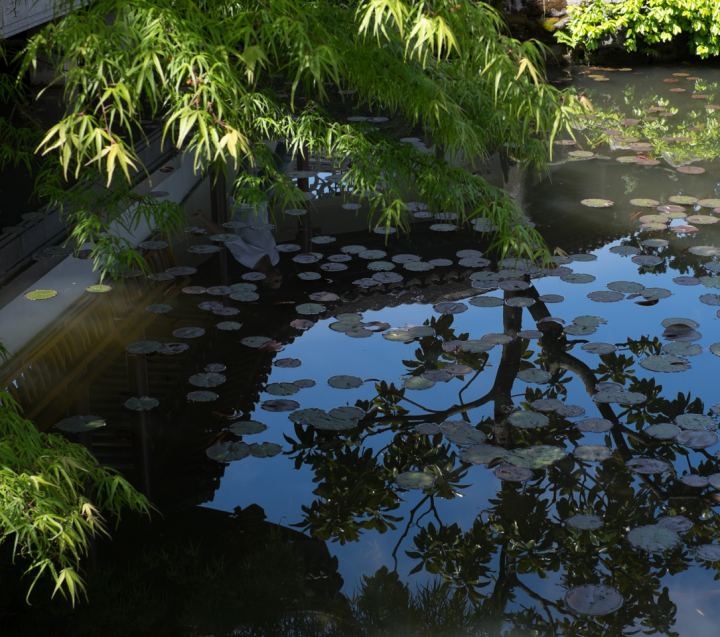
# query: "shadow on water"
{"type": "Point", "coordinates": [402, 437]}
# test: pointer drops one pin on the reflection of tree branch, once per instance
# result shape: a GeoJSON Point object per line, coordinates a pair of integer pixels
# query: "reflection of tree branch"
{"type": "Point", "coordinates": [407, 529]}
{"type": "Point", "coordinates": [477, 373]}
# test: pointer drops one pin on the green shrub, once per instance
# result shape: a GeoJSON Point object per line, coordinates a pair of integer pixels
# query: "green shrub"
{"type": "Point", "coordinates": [645, 23]}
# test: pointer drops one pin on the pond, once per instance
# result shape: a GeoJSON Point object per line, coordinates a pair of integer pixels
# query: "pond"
{"type": "Point", "coordinates": [398, 434]}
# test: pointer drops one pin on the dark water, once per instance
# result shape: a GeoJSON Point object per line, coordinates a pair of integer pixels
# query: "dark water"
{"type": "Point", "coordinates": [322, 538]}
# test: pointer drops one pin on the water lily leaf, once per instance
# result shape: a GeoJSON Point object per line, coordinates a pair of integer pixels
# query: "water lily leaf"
{"type": "Point", "coordinates": [691, 170]}
{"type": "Point", "coordinates": [345, 382]}
{"type": "Point", "coordinates": [603, 296]}
{"type": "Point", "coordinates": [536, 457]}
{"type": "Point", "coordinates": [714, 481]}
{"type": "Point", "coordinates": [647, 260]}
{"type": "Point", "coordinates": [694, 481]}
{"type": "Point", "coordinates": [715, 349]}
{"type": "Point", "coordinates": [682, 349]}
{"type": "Point", "coordinates": [645, 203]}
{"type": "Point", "coordinates": [279, 404]}
{"type": "Point", "coordinates": [420, 331]}
{"type": "Point", "coordinates": [310, 308]}
{"type": "Point", "coordinates": [663, 431]}
{"type": "Point", "coordinates": [570, 411]}
{"type": "Point", "coordinates": [708, 552]}
{"type": "Point", "coordinates": [599, 348]}
{"type": "Point", "coordinates": [304, 383]}
{"type": "Point", "coordinates": [381, 266]}
{"type": "Point", "coordinates": [417, 266]}
{"type": "Point", "coordinates": [372, 255]}
{"type": "Point", "coordinates": [534, 375]}
{"type": "Point", "coordinates": [578, 278]}
{"type": "Point", "coordinates": [169, 349]}
{"type": "Point", "coordinates": [701, 220]}
{"type": "Point", "coordinates": [202, 396]}
{"type": "Point", "coordinates": [228, 451]}
{"type": "Point", "coordinates": [415, 480]}
{"type": "Point", "coordinates": [528, 420]}
{"type": "Point", "coordinates": [475, 346]}
{"type": "Point", "coordinates": [665, 363]}
{"type": "Point", "coordinates": [594, 600]}
{"type": "Point", "coordinates": [461, 433]}
{"type": "Point", "coordinates": [711, 281]}
{"type": "Point", "coordinates": [247, 427]}
{"type": "Point", "coordinates": [624, 251]}
{"type": "Point", "coordinates": [183, 270]}
{"type": "Point", "coordinates": [282, 389]}
{"type": "Point", "coordinates": [336, 420]}
{"type": "Point", "coordinates": [593, 453]}
{"type": "Point", "coordinates": [597, 203]}
{"type": "Point", "coordinates": [265, 450]}
{"type": "Point", "coordinates": [229, 326]}
{"type": "Point", "coordinates": [40, 295]}
{"type": "Point", "coordinates": [648, 466]}
{"type": "Point", "coordinates": [306, 258]}
{"type": "Point", "coordinates": [626, 287]}
{"type": "Point", "coordinates": [486, 301]}
{"type": "Point", "coordinates": [81, 424]}
{"type": "Point", "coordinates": [594, 425]}
{"type": "Point", "coordinates": [458, 370]}
{"type": "Point", "coordinates": [546, 404]}
{"type": "Point", "coordinates": [428, 429]}
{"type": "Point", "coordinates": [676, 523]}
{"type": "Point", "coordinates": [398, 335]}
{"type": "Point", "coordinates": [482, 454]}
{"type": "Point", "coordinates": [710, 299]}
{"type": "Point", "coordinates": [695, 422]}
{"type": "Point", "coordinates": [511, 473]}
{"type": "Point", "coordinates": [697, 439]}
{"type": "Point", "coordinates": [551, 298]}
{"type": "Point", "coordinates": [98, 289]}
{"type": "Point", "coordinates": [450, 308]}
{"type": "Point", "coordinates": [653, 538]}
{"type": "Point", "coordinates": [143, 403]}
{"type": "Point", "coordinates": [159, 308]}
{"type": "Point", "coordinates": [418, 383]}
{"type": "Point", "coordinates": [709, 203]}
{"type": "Point", "coordinates": [584, 522]}
{"type": "Point", "coordinates": [256, 341]}
{"type": "Point", "coordinates": [581, 154]}
{"type": "Point", "coordinates": [387, 277]}
{"type": "Point", "coordinates": [704, 251]}
{"type": "Point", "coordinates": [497, 339]}
{"type": "Point", "coordinates": [161, 276]}
{"type": "Point", "coordinates": [143, 347]}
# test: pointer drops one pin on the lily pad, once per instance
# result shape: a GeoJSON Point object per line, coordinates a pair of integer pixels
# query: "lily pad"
{"type": "Point", "coordinates": [310, 308]}
{"type": "Point", "coordinates": [228, 451]}
{"type": "Point", "coordinates": [584, 522]}
{"type": "Point", "coordinates": [694, 481]}
{"type": "Point", "coordinates": [511, 473]}
{"type": "Point", "coordinates": [648, 466]}
{"type": "Point", "coordinates": [594, 600]}
{"type": "Point", "coordinates": [461, 433]}
{"type": "Point", "coordinates": [398, 335]}
{"type": "Point", "coordinates": [665, 364]}
{"type": "Point", "coordinates": [528, 420]}
{"type": "Point", "coordinates": [676, 523]}
{"type": "Point", "coordinates": [626, 287]}
{"type": "Point", "coordinates": [98, 289]}
{"type": "Point", "coordinates": [229, 326]}
{"type": "Point", "coordinates": [202, 396]}
{"type": "Point", "coordinates": [189, 332]}
{"type": "Point", "coordinates": [599, 348]}
{"type": "Point", "coordinates": [662, 431]}
{"type": "Point", "coordinates": [710, 299]}
{"type": "Point", "coordinates": [603, 296]}
{"type": "Point", "coordinates": [482, 454]}
{"type": "Point", "coordinates": [597, 203]}
{"type": "Point", "coordinates": [534, 375]}
{"type": "Point", "coordinates": [279, 404]}
{"type": "Point", "coordinates": [486, 301]}
{"type": "Point", "coordinates": [418, 383]}
{"type": "Point", "coordinates": [695, 422]}
{"type": "Point", "coordinates": [415, 480]}
{"type": "Point", "coordinates": [645, 203]}
{"type": "Point", "coordinates": [40, 295]}
{"type": "Point", "coordinates": [247, 427]}
{"type": "Point", "coordinates": [143, 347]}
{"type": "Point", "coordinates": [345, 382]}
{"type": "Point", "coordinates": [338, 419]}
{"type": "Point", "coordinates": [653, 538]}
{"type": "Point", "coordinates": [255, 341]}
{"type": "Point", "coordinates": [143, 403]}
{"type": "Point", "coordinates": [708, 552]}
{"type": "Point", "coordinates": [81, 424]}
{"type": "Point", "coordinates": [697, 439]}
{"type": "Point", "coordinates": [593, 453]}
{"type": "Point", "coordinates": [594, 425]}
{"type": "Point", "coordinates": [648, 260]}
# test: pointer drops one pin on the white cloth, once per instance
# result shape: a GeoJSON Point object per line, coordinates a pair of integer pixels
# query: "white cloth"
{"type": "Point", "coordinates": [252, 245]}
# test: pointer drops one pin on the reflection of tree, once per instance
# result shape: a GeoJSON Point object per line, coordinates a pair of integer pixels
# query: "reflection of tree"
{"type": "Point", "coordinates": [521, 537]}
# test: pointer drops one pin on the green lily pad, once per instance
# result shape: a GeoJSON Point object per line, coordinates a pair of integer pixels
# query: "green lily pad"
{"type": "Point", "coordinates": [645, 203]}
{"type": "Point", "coordinates": [207, 379]}
{"type": "Point", "coordinates": [345, 382]}
{"type": "Point", "coordinates": [40, 295]}
{"type": "Point", "coordinates": [511, 473]}
{"type": "Point", "coordinates": [597, 203]}
{"type": "Point", "coordinates": [626, 287]}
{"type": "Point", "coordinates": [581, 154]}
{"type": "Point", "coordinates": [600, 349]}
{"type": "Point", "coordinates": [421, 331]}
{"type": "Point", "coordinates": [247, 427]}
{"type": "Point", "coordinates": [709, 203]}
{"type": "Point", "coordinates": [665, 364]}
{"type": "Point", "coordinates": [546, 404]}
{"type": "Point", "coordinates": [653, 538]}
{"type": "Point", "coordinates": [81, 424]}
{"type": "Point", "coordinates": [584, 522]}
{"type": "Point", "coordinates": [662, 431]}
{"type": "Point", "coordinates": [310, 308]}
{"type": "Point", "coordinates": [245, 296]}
{"type": "Point", "coordinates": [418, 383]}
{"type": "Point", "coordinates": [398, 335]}
{"type": "Point", "coordinates": [154, 245]}
{"type": "Point", "coordinates": [648, 466]}
{"type": "Point", "coordinates": [276, 405]}
{"type": "Point", "coordinates": [682, 349]}
{"type": "Point", "coordinates": [159, 308]}
{"type": "Point", "coordinates": [604, 296]}
{"type": "Point", "coordinates": [695, 422]}
{"type": "Point", "coordinates": [704, 251]}
{"type": "Point", "coordinates": [594, 600]}
{"type": "Point", "coordinates": [282, 389]}
{"type": "Point", "coordinates": [534, 375]}
{"type": "Point", "coordinates": [593, 453]}
{"type": "Point", "coordinates": [461, 433]}
{"type": "Point", "coordinates": [98, 289]}
{"type": "Point", "coordinates": [475, 346]}
{"type": "Point", "coordinates": [143, 403]}
{"type": "Point", "coordinates": [708, 552]}
{"type": "Point", "coordinates": [715, 349]}
{"type": "Point", "coordinates": [482, 454]}
{"type": "Point", "coordinates": [536, 457]}
{"type": "Point", "coordinates": [680, 199]}
{"type": "Point", "coordinates": [528, 420]}
{"type": "Point", "coordinates": [338, 419]}
{"type": "Point", "coordinates": [202, 396]}
{"type": "Point", "coordinates": [265, 450]}
{"type": "Point", "coordinates": [594, 425]}
{"type": "Point", "coordinates": [189, 332]}
{"type": "Point", "coordinates": [694, 439]}
{"type": "Point", "coordinates": [229, 326]}
{"type": "Point", "coordinates": [415, 480]}
{"type": "Point", "coordinates": [255, 341]}
{"type": "Point", "coordinates": [497, 339]}
{"type": "Point", "coordinates": [228, 451]}
{"type": "Point", "coordinates": [143, 347]}
{"type": "Point", "coordinates": [578, 278]}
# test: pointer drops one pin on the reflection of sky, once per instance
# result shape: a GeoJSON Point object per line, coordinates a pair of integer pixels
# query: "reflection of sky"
{"type": "Point", "coordinates": [281, 490]}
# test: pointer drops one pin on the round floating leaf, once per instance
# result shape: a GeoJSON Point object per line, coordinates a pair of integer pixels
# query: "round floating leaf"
{"type": "Point", "coordinates": [387, 277]}
{"type": "Point", "coordinates": [40, 295]}
{"type": "Point", "coordinates": [599, 348]}
{"type": "Point", "coordinates": [584, 522]}
{"type": "Point", "coordinates": [159, 308]}
{"type": "Point", "coordinates": [215, 367]}
{"type": "Point", "coordinates": [695, 422]}
{"type": "Point", "coordinates": [161, 276]}
{"type": "Point", "coordinates": [709, 203]}
{"type": "Point", "coordinates": [594, 425]}
{"type": "Point", "coordinates": [520, 301]}
{"type": "Point", "coordinates": [653, 538]}
{"type": "Point", "coordinates": [534, 375]}
{"type": "Point", "coordinates": [594, 600]}
{"type": "Point", "coordinates": [418, 383]}
{"type": "Point", "coordinates": [301, 324]}
{"type": "Point", "coordinates": [169, 349]}
{"type": "Point", "coordinates": [497, 339]}
{"type": "Point", "coordinates": [245, 296]}
{"type": "Point", "coordinates": [570, 411]}
{"type": "Point", "coordinates": [551, 298]}
{"type": "Point", "coordinates": [714, 481]}
{"type": "Point", "coordinates": [626, 287]}
{"type": "Point", "coordinates": [691, 170]}
{"type": "Point", "coordinates": [189, 332]}
{"type": "Point", "coordinates": [415, 480]}
{"type": "Point", "coordinates": [398, 335]}
{"type": "Point", "coordinates": [696, 482]}
{"type": "Point", "coordinates": [581, 154]}
{"type": "Point", "coordinates": [682, 349]}
{"type": "Point", "coordinates": [676, 523]}
{"type": "Point", "coordinates": [345, 382]}
{"type": "Point", "coordinates": [663, 431]}
{"type": "Point", "coordinates": [536, 457]}
{"type": "Point", "coordinates": [256, 341]}
{"type": "Point", "coordinates": [528, 420]}
{"type": "Point", "coordinates": [511, 473]}
{"type": "Point", "coordinates": [593, 453]}
{"type": "Point", "coordinates": [81, 424]}
{"type": "Point", "coordinates": [597, 203]}
{"type": "Point", "coordinates": [143, 403]}
{"type": "Point", "coordinates": [287, 363]}
{"type": "Point", "coordinates": [486, 301]}
{"type": "Point", "coordinates": [98, 289]}
{"type": "Point", "coordinates": [647, 260]}
{"type": "Point", "coordinates": [710, 299]}
{"type": "Point", "coordinates": [603, 296]}
{"type": "Point", "coordinates": [546, 404]}
{"type": "Point", "coordinates": [475, 346]}
{"type": "Point", "coordinates": [202, 396]}
{"type": "Point", "coordinates": [482, 454]}
{"type": "Point", "coordinates": [645, 203]}
{"type": "Point", "coordinates": [304, 383]}
{"type": "Point", "coordinates": [224, 237]}
{"type": "Point", "coordinates": [228, 451]}
{"type": "Point", "coordinates": [418, 331]}
{"type": "Point", "coordinates": [247, 427]}
{"type": "Point", "coordinates": [665, 364]}
{"type": "Point", "coordinates": [450, 308]}
{"type": "Point", "coordinates": [671, 322]}
{"type": "Point", "coordinates": [229, 326]}
{"type": "Point", "coordinates": [708, 552]}
{"type": "Point", "coordinates": [458, 370]}
{"type": "Point", "coordinates": [207, 379]}
{"type": "Point", "coordinates": [715, 349]}
{"type": "Point", "coordinates": [701, 220]}
{"type": "Point", "coordinates": [461, 433]}
{"type": "Point", "coordinates": [578, 278]}
{"type": "Point", "coordinates": [336, 420]}
{"type": "Point", "coordinates": [279, 404]}
{"type": "Point", "coordinates": [310, 308]}
{"type": "Point", "coordinates": [265, 450]}
{"type": "Point", "coordinates": [697, 439]}
{"type": "Point", "coordinates": [648, 466]}
{"type": "Point", "coordinates": [143, 347]}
